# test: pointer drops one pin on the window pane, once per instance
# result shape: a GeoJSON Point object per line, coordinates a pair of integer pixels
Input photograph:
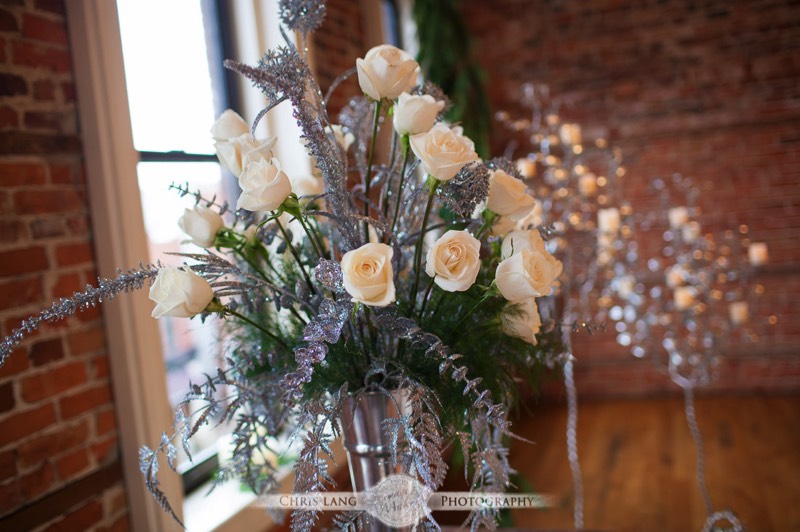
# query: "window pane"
{"type": "Point", "coordinates": [190, 347]}
{"type": "Point", "coordinates": [166, 68]}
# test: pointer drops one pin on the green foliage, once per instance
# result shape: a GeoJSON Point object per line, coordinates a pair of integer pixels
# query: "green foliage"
{"type": "Point", "coordinates": [447, 59]}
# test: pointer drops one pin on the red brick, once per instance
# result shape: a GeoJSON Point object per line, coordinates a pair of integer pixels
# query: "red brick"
{"type": "Point", "coordinates": [8, 22]}
{"type": "Point", "coordinates": [15, 364]}
{"type": "Point", "coordinates": [10, 496]}
{"type": "Point", "coordinates": [20, 292]}
{"type": "Point", "coordinates": [52, 381]}
{"type": "Point", "coordinates": [62, 174]}
{"type": "Point", "coordinates": [47, 201]}
{"type": "Point", "coordinates": [76, 404]}
{"type": "Point", "coordinates": [104, 450]}
{"type": "Point", "coordinates": [68, 92]}
{"type": "Point", "coordinates": [49, 444]}
{"type": "Point", "coordinates": [71, 254]}
{"type": "Point", "coordinates": [20, 261]}
{"type": "Point", "coordinates": [36, 483]}
{"type": "Point", "coordinates": [84, 518]}
{"type": "Point", "coordinates": [90, 314]}
{"type": "Point", "coordinates": [58, 121]}
{"type": "Point", "coordinates": [12, 85]}
{"type": "Point", "coordinates": [43, 29]}
{"type": "Point", "coordinates": [67, 285]}
{"type": "Point", "coordinates": [69, 465]}
{"type": "Point", "coordinates": [8, 465]}
{"type": "Point", "coordinates": [8, 117]}
{"type": "Point", "coordinates": [44, 90]}
{"type": "Point", "coordinates": [7, 400]}
{"type": "Point", "coordinates": [11, 230]}
{"type": "Point", "coordinates": [2, 50]}
{"type": "Point", "coordinates": [24, 423]}
{"type": "Point", "coordinates": [89, 341]}
{"type": "Point", "coordinates": [78, 225]}
{"type": "Point", "coordinates": [14, 174]}
{"type": "Point", "coordinates": [47, 228]}
{"type": "Point", "coordinates": [29, 54]}
{"type": "Point", "coordinates": [100, 367]}
{"type": "Point", "coordinates": [46, 351]}
{"type": "Point", "coordinates": [104, 422]}
{"type": "Point", "coordinates": [51, 6]}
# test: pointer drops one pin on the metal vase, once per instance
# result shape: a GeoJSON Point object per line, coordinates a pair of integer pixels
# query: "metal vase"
{"type": "Point", "coordinates": [367, 446]}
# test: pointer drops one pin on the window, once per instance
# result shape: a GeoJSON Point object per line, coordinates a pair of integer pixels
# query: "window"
{"type": "Point", "coordinates": [172, 95]}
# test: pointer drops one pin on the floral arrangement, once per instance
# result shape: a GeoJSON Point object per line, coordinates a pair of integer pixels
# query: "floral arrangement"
{"type": "Point", "coordinates": [420, 273]}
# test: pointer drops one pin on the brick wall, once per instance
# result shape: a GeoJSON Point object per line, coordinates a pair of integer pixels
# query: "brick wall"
{"type": "Point", "coordinates": [59, 458]}
{"type": "Point", "coordinates": [708, 89]}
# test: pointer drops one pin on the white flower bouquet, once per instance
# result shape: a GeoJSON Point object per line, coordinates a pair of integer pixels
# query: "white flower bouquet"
{"type": "Point", "coordinates": [418, 272]}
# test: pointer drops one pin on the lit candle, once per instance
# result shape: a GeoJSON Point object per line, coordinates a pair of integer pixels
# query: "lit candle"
{"type": "Point", "coordinates": [739, 312]}
{"type": "Point", "coordinates": [690, 232]}
{"type": "Point", "coordinates": [678, 216]}
{"type": "Point", "coordinates": [526, 167]}
{"type": "Point", "coordinates": [625, 286]}
{"type": "Point", "coordinates": [570, 134]}
{"type": "Point", "coordinates": [587, 184]}
{"type": "Point", "coordinates": [758, 254]}
{"type": "Point", "coordinates": [608, 220]}
{"type": "Point", "coordinates": [683, 296]}
{"type": "Point", "coordinates": [674, 277]}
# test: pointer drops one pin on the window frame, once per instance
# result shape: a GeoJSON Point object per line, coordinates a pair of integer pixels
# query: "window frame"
{"type": "Point", "coordinates": [110, 159]}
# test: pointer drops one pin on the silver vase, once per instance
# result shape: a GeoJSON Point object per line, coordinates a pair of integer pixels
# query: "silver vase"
{"type": "Point", "coordinates": [368, 447]}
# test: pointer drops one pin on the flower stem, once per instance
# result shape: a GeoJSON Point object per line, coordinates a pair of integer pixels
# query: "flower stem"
{"type": "Point", "coordinates": [368, 177]}
{"type": "Point", "coordinates": [431, 184]}
{"type": "Point", "coordinates": [402, 182]}
{"type": "Point", "coordinates": [295, 255]}
{"type": "Point", "coordinates": [425, 299]}
{"type": "Point", "coordinates": [228, 310]}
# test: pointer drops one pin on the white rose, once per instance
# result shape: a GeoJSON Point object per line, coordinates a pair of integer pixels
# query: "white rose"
{"type": "Point", "coordinates": [368, 275]}
{"type": "Point", "coordinates": [522, 320]}
{"type": "Point", "coordinates": [535, 218]}
{"type": "Point", "coordinates": [502, 225]}
{"type": "Point", "coordinates": [527, 274]}
{"type": "Point", "coordinates": [386, 72]}
{"type": "Point", "coordinates": [454, 261]}
{"type": "Point", "coordinates": [307, 185]}
{"type": "Point", "coordinates": [343, 138]}
{"type": "Point", "coordinates": [180, 293]}
{"type": "Point", "coordinates": [229, 125]}
{"type": "Point", "coordinates": [508, 196]}
{"type": "Point", "coordinates": [237, 152]}
{"type": "Point", "coordinates": [201, 224]}
{"type": "Point", "coordinates": [415, 114]}
{"type": "Point", "coordinates": [443, 152]}
{"type": "Point", "coordinates": [516, 241]}
{"type": "Point", "coordinates": [264, 186]}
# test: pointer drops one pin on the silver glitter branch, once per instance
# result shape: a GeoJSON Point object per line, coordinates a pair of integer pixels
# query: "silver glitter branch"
{"type": "Point", "coordinates": [105, 290]}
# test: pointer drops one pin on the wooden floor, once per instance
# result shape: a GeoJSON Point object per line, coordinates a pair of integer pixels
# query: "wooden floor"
{"type": "Point", "coordinates": [638, 463]}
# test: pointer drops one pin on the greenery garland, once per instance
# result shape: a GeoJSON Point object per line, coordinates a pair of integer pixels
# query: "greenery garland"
{"type": "Point", "coordinates": [447, 59]}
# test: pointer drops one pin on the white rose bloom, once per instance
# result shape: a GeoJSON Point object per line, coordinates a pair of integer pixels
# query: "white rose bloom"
{"type": "Point", "coordinates": [527, 274]}
{"type": "Point", "coordinates": [343, 138]}
{"type": "Point", "coordinates": [237, 152]}
{"type": "Point", "coordinates": [201, 224]}
{"type": "Point", "coordinates": [415, 114]}
{"type": "Point", "coordinates": [386, 72]}
{"type": "Point", "coordinates": [454, 261]}
{"type": "Point", "coordinates": [516, 241]}
{"type": "Point", "coordinates": [229, 125]}
{"type": "Point", "coordinates": [307, 185]}
{"type": "Point", "coordinates": [502, 225]}
{"type": "Point", "coordinates": [264, 186]}
{"type": "Point", "coordinates": [535, 218]}
{"type": "Point", "coordinates": [523, 321]}
{"type": "Point", "coordinates": [368, 276]}
{"type": "Point", "coordinates": [443, 152]}
{"type": "Point", "coordinates": [180, 293]}
{"type": "Point", "coordinates": [508, 196]}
